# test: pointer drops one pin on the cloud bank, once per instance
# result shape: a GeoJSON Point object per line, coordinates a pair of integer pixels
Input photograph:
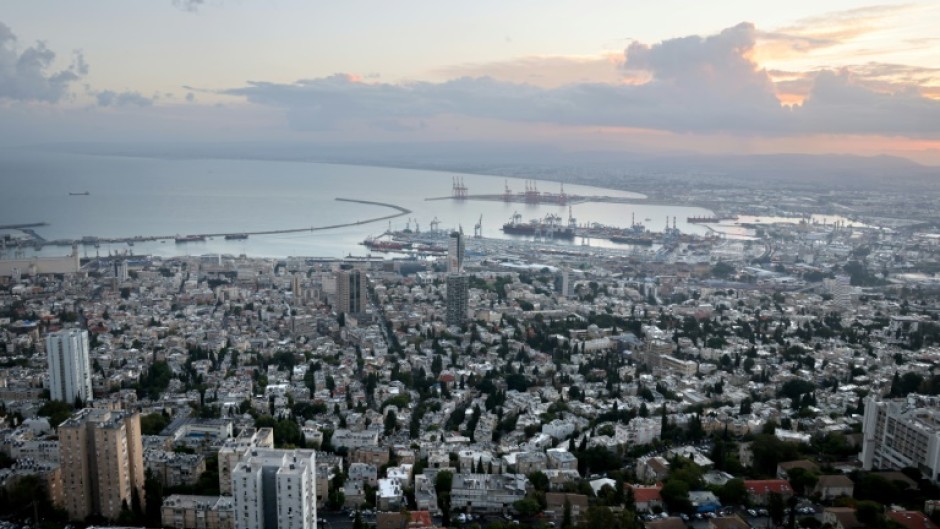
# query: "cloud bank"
{"type": "Point", "coordinates": [25, 75]}
{"type": "Point", "coordinates": [693, 85]}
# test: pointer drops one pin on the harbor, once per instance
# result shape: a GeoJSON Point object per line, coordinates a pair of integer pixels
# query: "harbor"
{"type": "Point", "coordinates": [35, 241]}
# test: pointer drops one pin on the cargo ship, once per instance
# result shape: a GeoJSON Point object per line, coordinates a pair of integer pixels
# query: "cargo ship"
{"type": "Point", "coordinates": [379, 245]}
{"type": "Point", "coordinates": [190, 238]}
{"type": "Point", "coordinates": [82, 194]}
{"type": "Point", "coordinates": [236, 236]}
{"type": "Point", "coordinates": [549, 228]}
{"type": "Point", "coordinates": [637, 240]}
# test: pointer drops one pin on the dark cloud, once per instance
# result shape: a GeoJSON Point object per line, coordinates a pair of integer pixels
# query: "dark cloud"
{"type": "Point", "coordinates": [110, 98]}
{"type": "Point", "coordinates": [695, 84]}
{"type": "Point", "coordinates": [25, 75]}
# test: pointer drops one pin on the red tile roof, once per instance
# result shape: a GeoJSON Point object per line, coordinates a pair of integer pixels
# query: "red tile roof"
{"type": "Point", "coordinates": [766, 486]}
{"type": "Point", "coordinates": [646, 494]}
{"type": "Point", "coordinates": [912, 519]}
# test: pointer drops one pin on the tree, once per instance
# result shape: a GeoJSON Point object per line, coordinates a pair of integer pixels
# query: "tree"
{"type": "Point", "coordinates": [527, 507]}
{"type": "Point", "coordinates": [391, 422]}
{"type": "Point", "coordinates": [775, 507]}
{"type": "Point", "coordinates": [566, 515]}
{"type": "Point", "coordinates": [733, 492]}
{"type": "Point", "coordinates": [802, 480]}
{"type": "Point", "coordinates": [442, 486]}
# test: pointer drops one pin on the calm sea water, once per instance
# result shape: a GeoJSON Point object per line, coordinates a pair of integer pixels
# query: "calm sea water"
{"type": "Point", "coordinates": [146, 196]}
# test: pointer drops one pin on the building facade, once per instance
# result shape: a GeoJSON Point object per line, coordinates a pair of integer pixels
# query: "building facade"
{"type": "Point", "coordinates": [69, 367]}
{"type": "Point", "coordinates": [900, 433]}
{"type": "Point", "coordinates": [458, 287]}
{"type": "Point", "coordinates": [275, 489]}
{"type": "Point", "coordinates": [102, 463]}
{"type": "Point", "coordinates": [455, 253]}
{"type": "Point", "coordinates": [351, 293]}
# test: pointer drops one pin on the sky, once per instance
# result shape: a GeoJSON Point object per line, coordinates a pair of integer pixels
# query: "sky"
{"type": "Point", "coordinates": [730, 76]}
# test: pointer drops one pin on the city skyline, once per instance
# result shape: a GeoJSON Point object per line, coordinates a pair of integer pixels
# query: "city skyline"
{"type": "Point", "coordinates": [852, 77]}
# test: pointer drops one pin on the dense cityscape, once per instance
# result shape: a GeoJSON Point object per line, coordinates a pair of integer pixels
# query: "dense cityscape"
{"type": "Point", "coordinates": [784, 379]}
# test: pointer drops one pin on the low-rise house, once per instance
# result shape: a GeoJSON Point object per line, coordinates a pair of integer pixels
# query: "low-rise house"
{"type": "Point", "coordinates": [759, 490]}
{"type": "Point", "coordinates": [841, 518]}
{"type": "Point", "coordinates": [555, 504]}
{"type": "Point", "coordinates": [198, 512]}
{"type": "Point", "coordinates": [647, 499]}
{"type": "Point", "coordinates": [833, 486]}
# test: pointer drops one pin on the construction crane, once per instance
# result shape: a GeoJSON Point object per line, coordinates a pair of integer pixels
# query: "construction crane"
{"type": "Point", "coordinates": [478, 228]}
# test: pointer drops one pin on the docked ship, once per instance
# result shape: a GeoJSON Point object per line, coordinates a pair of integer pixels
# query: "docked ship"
{"type": "Point", "coordinates": [380, 245]}
{"type": "Point", "coordinates": [549, 228]}
{"type": "Point", "coordinates": [637, 240]}
{"type": "Point", "coordinates": [636, 235]}
{"type": "Point", "coordinates": [190, 238]}
{"type": "Point", "coordinates": [236, 236]}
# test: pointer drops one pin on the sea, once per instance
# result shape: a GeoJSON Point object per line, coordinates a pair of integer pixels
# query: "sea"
{"type": "Point", "coordinates": [134, 196]}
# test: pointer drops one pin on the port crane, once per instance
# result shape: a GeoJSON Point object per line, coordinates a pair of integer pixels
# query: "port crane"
{"type": "Point", "coordinates": [478, 228]}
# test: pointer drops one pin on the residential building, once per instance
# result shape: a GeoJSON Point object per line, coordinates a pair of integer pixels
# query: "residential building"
{"type": "Point", "coordinates": [900, 433]}
{"type": "Point", "coordinates": [458, 287]}
{"type": "Point", "coordinates": [235, 449]}
{"type": "Point", "coordinates": [455, 252]}
{"type": "Point", "coordinates": [69, 367]}
{"type": "Point", "coordinates": [102, 463]}
{"type": "Point", "coordinates": [351, 292]}
{"type": "Point", "coordinates": [275, 489]}
{"type": "Point", "coordinates": [487, 492]}
{"type": "Point", "coordinates": [182, 511]}
{"type": "Point", "coordinates": [832, 486]}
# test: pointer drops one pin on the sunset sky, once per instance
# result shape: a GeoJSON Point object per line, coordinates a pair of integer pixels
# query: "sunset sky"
{"type": "Point", "coordinates": [730, 76]}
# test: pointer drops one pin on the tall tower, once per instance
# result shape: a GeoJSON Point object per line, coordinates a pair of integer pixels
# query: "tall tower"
{"type": "Point", "coordinates": [458, 287]}
{"type": "Point", "coordinates": [101, 454]}
{"type": "Point", "coordinates": [351, 294]}
{"type": "Point", "coordinates": [455, 251]}
{"type": "Point", "coordinates": [275, 489]}
{"type": "Point", "coordinates": [69, 368]}
{"type": "Point", "coordinates": [296, 288]}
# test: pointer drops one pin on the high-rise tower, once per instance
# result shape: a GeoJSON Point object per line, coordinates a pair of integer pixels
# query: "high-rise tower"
{"type": "Point", "coordinates": [69, 368]}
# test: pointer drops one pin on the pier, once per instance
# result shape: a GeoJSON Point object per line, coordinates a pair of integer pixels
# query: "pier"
{"type": "Point", "coordinates": [92, 240]}
{"type": "Point", "coordinates": [522, 198]}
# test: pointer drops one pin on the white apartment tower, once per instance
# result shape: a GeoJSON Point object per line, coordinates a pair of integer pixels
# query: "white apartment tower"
{"type": "Point", "coordinates": [275, 489]}
{"type": "Point", "coordinates": [69, 368]}
{"type": "Point", "coordinates": [900, 433]}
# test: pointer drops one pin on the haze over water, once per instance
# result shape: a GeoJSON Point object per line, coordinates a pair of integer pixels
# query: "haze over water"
{"type": "Point", "coordinates": [147, 196]}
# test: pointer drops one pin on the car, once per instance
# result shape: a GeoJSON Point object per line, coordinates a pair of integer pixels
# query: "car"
{"type": "Point", "coordinates": [752, 513]}
{"type": "Point", "coordinates": [763, 512]}
{"type": "Point", "coordinates": [684, 516]}
{"type": "Point", "coordinates": [699, 516]}
{"type": "Point", "coordinates": [711, 514]}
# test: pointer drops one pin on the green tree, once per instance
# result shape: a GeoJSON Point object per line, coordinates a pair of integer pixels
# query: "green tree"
{"type": "Point", "coordinates": [776, 508]}
{"type": "Point", "coordinates": [442, 486]}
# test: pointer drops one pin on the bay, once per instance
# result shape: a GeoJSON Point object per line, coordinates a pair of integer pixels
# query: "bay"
{"type": "Point", "coordinates": [128, 197]}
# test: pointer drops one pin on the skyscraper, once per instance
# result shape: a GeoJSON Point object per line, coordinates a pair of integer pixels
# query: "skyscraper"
{"type": "Point", "coordinates": [351, 294]}
{"type": "Point", "coordinates": [102, 463]}
{"type": "Point", "coordinates": [455, 251]}
{"type": "Point", "coordinates": [458, 287]}
{"type": "Point", "coordinates": [69, 368]}
{"type": "Point", "coordinates": [276, 489]}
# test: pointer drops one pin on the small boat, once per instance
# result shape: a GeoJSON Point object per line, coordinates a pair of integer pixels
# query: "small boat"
{"type": "Point", "coordinates": [82, 194]}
